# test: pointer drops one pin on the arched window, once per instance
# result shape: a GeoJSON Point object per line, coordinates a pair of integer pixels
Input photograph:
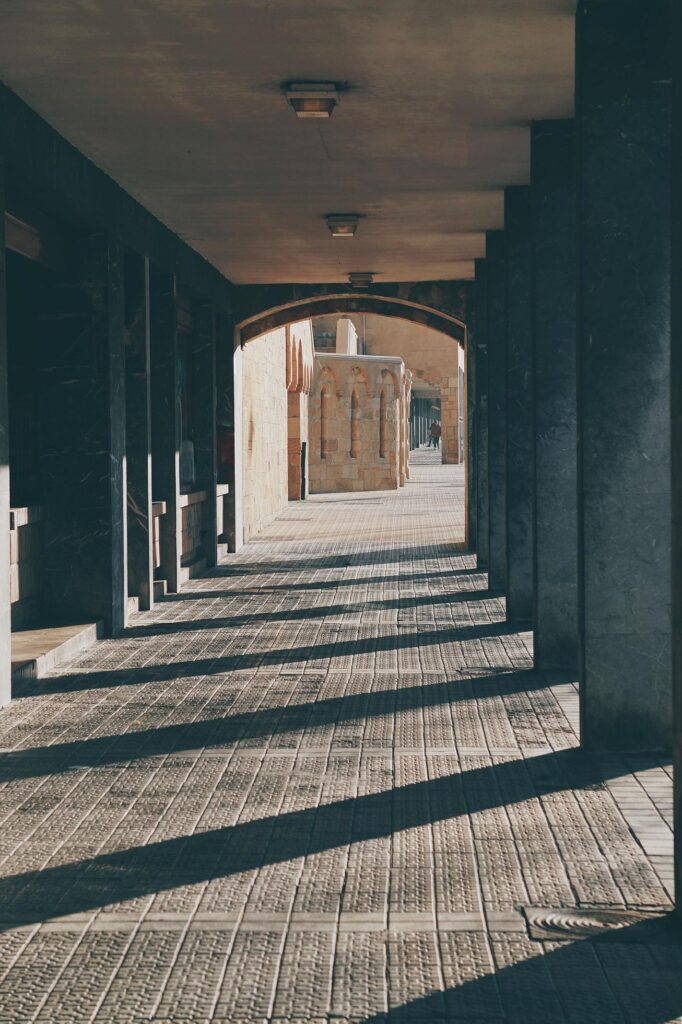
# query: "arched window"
{"type": "Point", "coordinates": [324, 422]}
{"type": "Point", "coordinates": [382, 424]}
{"type": "Point", "coordinates": [354, 425]}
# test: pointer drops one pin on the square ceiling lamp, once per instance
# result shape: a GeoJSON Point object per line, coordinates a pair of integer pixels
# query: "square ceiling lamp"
{"type": "Point", "coordinates": [342, 225]}
{"type": "Point", "coordinates": [360, 278]}
{"type": "Point", "coordinates": [312, 99]}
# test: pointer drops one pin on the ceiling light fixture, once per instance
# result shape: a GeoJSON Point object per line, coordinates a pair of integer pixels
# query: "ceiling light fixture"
{"type": "Point", "coordinates": [312, 99]}
{"type": "Point", "coordinates": [342, 225]}
{"type": "Point", "coordinates": [361, 278]}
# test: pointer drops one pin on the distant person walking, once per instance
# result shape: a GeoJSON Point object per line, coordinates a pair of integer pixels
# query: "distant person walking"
{"type": "Point", "coordinates": [434, 438]}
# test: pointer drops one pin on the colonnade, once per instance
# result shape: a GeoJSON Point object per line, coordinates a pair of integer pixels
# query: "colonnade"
{"type": "Point", "coordinates": [570, 376]}
{"type": "Point", "coordinates": [117, 434]}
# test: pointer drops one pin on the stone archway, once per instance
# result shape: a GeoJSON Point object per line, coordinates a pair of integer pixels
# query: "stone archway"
{"type": "Point", "coordinates": [440, 305]}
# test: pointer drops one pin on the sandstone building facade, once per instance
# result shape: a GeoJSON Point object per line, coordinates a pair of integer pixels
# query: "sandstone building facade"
{"type": "Point", "coordinates": [435, 361]}
{"type": "Point", "coordinates": [276, 377]}
{"type": "Point", "coordinates": [359, 413]}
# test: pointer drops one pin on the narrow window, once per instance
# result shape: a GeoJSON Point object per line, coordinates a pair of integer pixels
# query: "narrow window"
{"type": "Point", "coordinates": [354, 426]}
{"type": "Point", "coordinates": [324, 422]}
{"type": "Point", "coordinates": [382, 424]}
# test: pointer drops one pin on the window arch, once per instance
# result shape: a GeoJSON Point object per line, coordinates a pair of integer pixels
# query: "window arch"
{"type": "Point", "coordinates": [383, 405]}
{"type": "Point", "coordinates": [354, 425]}
{"type": "Point", "coordinates": [324, 421]}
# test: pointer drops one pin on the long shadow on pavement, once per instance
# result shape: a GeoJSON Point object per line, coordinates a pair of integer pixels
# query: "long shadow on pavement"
{"type": "Point", "coordinates": [284, 656]}
{"type": "Point", "coordinates": [95, 882]}
{"type": "Point", "coordinates": [231, 729]}
{"type": "Point", "coordinates": [634, 977]}
{"type": "Point", "coordinates": [404, 578]}
{"type": "Point", "coordinates": [302, 562]}
{"type": "Point", "coordinates": [305, 614]}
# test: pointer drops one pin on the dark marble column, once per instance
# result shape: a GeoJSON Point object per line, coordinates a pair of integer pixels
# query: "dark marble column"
{"type": "Point", "coordinates": [555, 619]}
{"type": "Point", "coordinates": [5, 618]}
{"type": "Point", "coordinates": [138, 431]}
{"type": "Point", "coordinates": [204, 405]}
{"type": "Point", "coordinates": [623, 119]}
{"type": "Point", "coordinates": [481, 413]}
{"type": "Point", "coordinates": [226, 426]}
{"type": "Point", "coordinates": [82, 371]}
{"type": "Point", "coordinates": [676, 379]}
{"type": "Point", "coordinates": [497, 411]}
{"type": "Point", "coordinates": [165, 391]}
{"type": "Point", "coordinates": [470, 448]}
{"type": "Point", "coordinates": [520, 426]}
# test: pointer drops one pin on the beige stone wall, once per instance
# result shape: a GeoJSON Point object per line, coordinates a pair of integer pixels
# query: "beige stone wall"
{"type": "Point", "coordinates": [300, 354]}
{"type": "Point", "coordinates": [357, 418]}
{"type": "Point", "coordinates": [432, 358]}
{"type": "Point", "coordinates": [26, 564]}
{"type": "Point", "coordinates": [277, 370]}
{"type": "Point", "coordinates": [264, 423]}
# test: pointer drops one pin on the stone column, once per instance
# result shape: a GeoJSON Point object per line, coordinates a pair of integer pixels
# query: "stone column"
{"type": "Point", "coordinates": [5, 617]}
{"type": "Point", "coordinates": [497, 412]}
{"type": "Point", "coordinates": [623, 118]}
{"type": "Point", "coordinates": [238, 504]}
{"type": "Point", "coordinates": [470, 449]}
{"type": "Point", "coordinates": [676, 379]}
{"type": "Point", "coordinates": [402, 432]}
{"type": "Point", "coordinates": [480, 353]}
{"type": "Point", "coordinates": [83, 456]}
{"type": "Point", "coordinates": [449, 418]}
{"type": "Point", "coordinates": [166, 424]}
{"type": "Point", "coordinates": [228, 428]}
{"type": "Point", "coordinates": [138, 431]}
{"type": "Point", "coordinates": [407, 399]}
{"type": "Point", "coordinates": [555, 620]}
{"type": "Point", "coordinates": [295, 413]}
{"type": "Point", "coordinates": [204, 408]}
{"type": "Point", "coordinates": [520, 426]}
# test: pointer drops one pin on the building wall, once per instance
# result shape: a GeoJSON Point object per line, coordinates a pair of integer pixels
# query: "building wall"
{"type": "Point", "coordinates": [26, 565]}
{"type": "Point", "coordinates": [349, 448]}
{"type": "Point", "coordinates": [300, 353]}
{"type": "Point", "coordinates": [276, 376]}
{"type": "Point", "coordinates": [433, 359]}
{"type": "Point", "coordinates": [264, 423]}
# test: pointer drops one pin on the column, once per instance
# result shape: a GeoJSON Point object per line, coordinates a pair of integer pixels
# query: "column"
{"type": "Point", "coordinates": [481, 412]}
{"type": "Point", "coordinates": [676, 378]}
{"type": "Point", "coordinates": [138, 431]}
{"type": "Point", "coordinates": [204, 406]}
{"type": "Point", "coordinates": [497, 412]}
{"type": "Point", "coordinates": [5, 618]}
{"type": "Point", "coordinates": [555, 619]}
{"type": "Point", "coordinates": [470, 449]}
{"type": "Point", "coordinates": [238, 444]}
{"type": "Point", "coordinates": [166, 424]}
{"type": "Point", "coordinates": [623, 119]}
{"type": "Point", "coordinates": [449, 417]}
{"type": "Point", "coordinates": [520, 427]}
{"type": "Point", "coordinates": [82, 364]}
{"type": "Point", "coordinates": [228, 401]}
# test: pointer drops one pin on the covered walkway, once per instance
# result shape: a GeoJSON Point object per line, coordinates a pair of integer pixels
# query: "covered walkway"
{"type": "Point", "coordinates": [321, 783]}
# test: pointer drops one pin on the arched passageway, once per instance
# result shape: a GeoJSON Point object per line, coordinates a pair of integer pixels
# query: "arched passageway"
{"type": "Point", "coordinates": [330, 750]}
{"type": "Point", "coordinates": [344, 407]}
{"type": "Point", "coordinates": [440, 305]}
{"type": "Point", "coordinates": [320, 778]}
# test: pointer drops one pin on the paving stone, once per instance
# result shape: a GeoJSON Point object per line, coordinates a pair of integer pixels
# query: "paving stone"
{"type": "Point", "coordinates": [316, 786]}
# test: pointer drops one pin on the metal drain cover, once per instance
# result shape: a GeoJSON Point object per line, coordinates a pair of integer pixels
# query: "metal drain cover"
{"type": "Point", "coordinates": [617, 924]}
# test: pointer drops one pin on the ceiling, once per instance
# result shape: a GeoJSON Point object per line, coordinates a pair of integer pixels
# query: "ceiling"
{"type": "Point", "coordinates": [180, 101]}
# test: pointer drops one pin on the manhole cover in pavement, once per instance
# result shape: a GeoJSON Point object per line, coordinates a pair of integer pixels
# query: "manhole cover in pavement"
{"type": "Point", "coordinates": [618, 924]}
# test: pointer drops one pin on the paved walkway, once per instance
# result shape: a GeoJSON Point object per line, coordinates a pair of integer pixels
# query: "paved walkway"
{"type": "Point", "coordinates": [318, 785]}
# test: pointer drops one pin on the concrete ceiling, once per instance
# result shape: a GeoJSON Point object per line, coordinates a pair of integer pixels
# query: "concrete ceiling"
{"type": "Point", "coordinates": [180, 101]}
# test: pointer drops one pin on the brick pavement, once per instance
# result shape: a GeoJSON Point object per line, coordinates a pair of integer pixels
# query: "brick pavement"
{"type": "Point", "coordinates": [318, 785]}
